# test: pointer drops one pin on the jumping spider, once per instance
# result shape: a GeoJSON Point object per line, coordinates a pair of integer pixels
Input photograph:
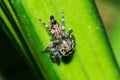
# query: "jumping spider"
{"type": "Point", "coordinates": [62, 43]}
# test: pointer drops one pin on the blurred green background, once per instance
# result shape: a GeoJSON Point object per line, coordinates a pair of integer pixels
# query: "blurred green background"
{"type": "Point", "coordinates": [14, 67]}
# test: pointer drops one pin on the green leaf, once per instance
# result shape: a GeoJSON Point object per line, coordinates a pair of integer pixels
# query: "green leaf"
{"type": "Point", "coordinates": [93, 57]}
{"type": "Point", "coordinates": [115, 38]}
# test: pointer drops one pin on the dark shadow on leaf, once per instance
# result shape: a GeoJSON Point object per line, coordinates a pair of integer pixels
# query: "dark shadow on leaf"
{"type": "Point", "coordinates": [68, 59]}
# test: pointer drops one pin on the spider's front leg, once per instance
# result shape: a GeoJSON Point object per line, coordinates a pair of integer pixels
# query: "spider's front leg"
{"type": "Point", "coordinates": [63, 22]}
{"type": "Point", "coordinates": [45, 25]}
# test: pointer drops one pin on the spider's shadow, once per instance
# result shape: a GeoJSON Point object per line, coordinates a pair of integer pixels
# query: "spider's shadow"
{"type": "Point", "coordinates": [67, 59]}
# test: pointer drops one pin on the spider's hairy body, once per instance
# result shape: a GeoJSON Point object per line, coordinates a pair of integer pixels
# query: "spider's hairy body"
{"type": "Point", "coordinates": [62, 43]}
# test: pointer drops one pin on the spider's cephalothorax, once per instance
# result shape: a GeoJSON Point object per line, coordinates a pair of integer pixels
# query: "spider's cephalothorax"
{"type": "Point", "coordinates": [62, 43]}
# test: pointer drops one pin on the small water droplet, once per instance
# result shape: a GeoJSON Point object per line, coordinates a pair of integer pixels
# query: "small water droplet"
{"type": "Point", "coordinates": [89, 27]}
{"type": "Point", "coordinates": [97, 27]}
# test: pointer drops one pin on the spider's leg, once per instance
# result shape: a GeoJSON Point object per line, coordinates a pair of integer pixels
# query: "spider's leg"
{"type": "Point", "coordinates": [44, 24]}
{"type": "Point", "coordinates": [68, 34]}
{"type": "Point", "coordinates": [47, 48]}
{"type": "Point", "coordinates": [69, 31]}
{"type": "Point", "coordinates": [63, 21]}
{"type": "Point", "coordinates": [55, 56]}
